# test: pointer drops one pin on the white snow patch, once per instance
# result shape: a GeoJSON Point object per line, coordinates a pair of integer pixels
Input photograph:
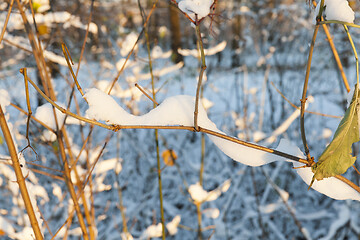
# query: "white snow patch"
{"type": "Point", "coordinates": [336, 10]}
{"type": "Point", "coordinates": [4, 99]}
{"type": "Point", "coordinates": [106, 165]}
{"type": "Point", "coordinates": [197, 193]}
{"type": "Point", "coordinates": [128, 43]}
{"type": "Point", "coordinates": [172, 226]}
{"type": "Point", "coordinates": [152, 231]}
{"type": "Point", "coordinates": [45, 114]}
{"type": "Point", "coordinates": [208, 52]}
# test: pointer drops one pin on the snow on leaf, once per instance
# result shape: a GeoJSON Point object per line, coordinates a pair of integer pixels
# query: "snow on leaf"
{"type": "Point", "coordinates": [337, 157]}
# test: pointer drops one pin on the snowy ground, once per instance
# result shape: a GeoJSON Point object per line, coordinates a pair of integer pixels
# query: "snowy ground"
{"type": "Point", "coordinates": [268, 202]}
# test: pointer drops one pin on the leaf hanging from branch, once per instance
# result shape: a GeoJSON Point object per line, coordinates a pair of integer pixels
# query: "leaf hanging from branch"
{"type": "Point", "coordinates": [337, 157]}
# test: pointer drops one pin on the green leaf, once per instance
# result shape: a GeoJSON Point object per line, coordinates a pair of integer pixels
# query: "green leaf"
{"type": "Point", "coordinates": [337, 157]}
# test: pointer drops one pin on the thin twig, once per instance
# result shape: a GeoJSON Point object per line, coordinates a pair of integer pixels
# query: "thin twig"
{"type": "Point", "coordinates": [146, 94]}
{"type": "Point", "coordinates": [303, 99]}
{"type": "Point", "coordinates": [68, 60]}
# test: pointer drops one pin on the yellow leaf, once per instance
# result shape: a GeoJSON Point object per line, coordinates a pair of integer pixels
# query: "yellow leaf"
{"type": "Point", "coordinates": [169, 157]}
{"type": "Point", "coordinates": [43, 29]}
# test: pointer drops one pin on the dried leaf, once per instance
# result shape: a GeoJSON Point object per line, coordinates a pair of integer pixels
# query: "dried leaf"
{"type": "Point", "coordinates": [169, 157]}
{"type": "Point", "coordinates": [337, 157]}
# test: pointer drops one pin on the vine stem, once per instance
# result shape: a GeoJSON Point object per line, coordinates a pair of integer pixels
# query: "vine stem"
{"type": "Point", "coordinates": [19, 176]}
{"type": "Point", "coordinates": [303, 99]}
{"type": "Point", "coordinates": [355, 53]}
{"type": "Point", "coordinates": [202, 70]}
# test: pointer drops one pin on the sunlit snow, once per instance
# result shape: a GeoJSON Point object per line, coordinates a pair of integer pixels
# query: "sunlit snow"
{"type": "Point", "coordinates": [177, 110]}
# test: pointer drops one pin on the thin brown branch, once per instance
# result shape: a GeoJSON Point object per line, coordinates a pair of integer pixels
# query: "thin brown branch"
{"type": "Point", "coordinates": [6, 21]}
{"type": "Point", "coordinates": [47, 174]}
{"type": "Point", "coordinates": [19, 176]}
{"type": "Point", "coordinates": [146, 94]}
{"type": "Point", "coordinates": [68, 61]}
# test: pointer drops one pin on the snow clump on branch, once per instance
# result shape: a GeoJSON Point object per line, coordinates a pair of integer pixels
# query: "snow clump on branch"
{"type": "Point", "coordinates": [201, 8]}
{"type": "Point", "coordinates": [336, 10]}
